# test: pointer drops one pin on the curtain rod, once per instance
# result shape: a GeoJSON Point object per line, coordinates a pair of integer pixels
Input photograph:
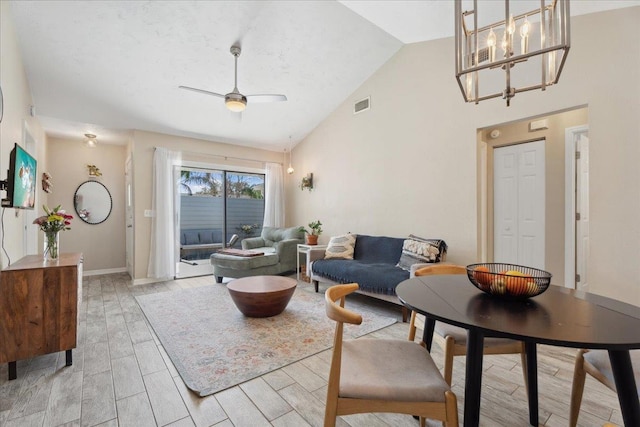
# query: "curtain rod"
{"type": "Point", "coordinates": [226, 157]}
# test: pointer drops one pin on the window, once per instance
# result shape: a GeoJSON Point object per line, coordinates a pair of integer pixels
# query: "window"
{"type": "Point", "coordinates": [210, 212]}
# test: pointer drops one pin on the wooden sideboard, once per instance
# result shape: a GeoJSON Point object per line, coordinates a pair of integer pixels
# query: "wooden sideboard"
{"type": "Point", "coordinates": [39, 304]}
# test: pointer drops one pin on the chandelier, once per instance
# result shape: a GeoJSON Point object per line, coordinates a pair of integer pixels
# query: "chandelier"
{"type": "Point", "coordinates": [524, 51]}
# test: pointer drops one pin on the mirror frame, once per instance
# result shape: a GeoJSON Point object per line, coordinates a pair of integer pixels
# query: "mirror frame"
{"type": "Point", "coordinates": [75, 205]}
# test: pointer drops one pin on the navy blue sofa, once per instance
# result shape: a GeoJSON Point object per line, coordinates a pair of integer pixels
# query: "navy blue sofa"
{"type": "Point", "coordinates": [374, 267]}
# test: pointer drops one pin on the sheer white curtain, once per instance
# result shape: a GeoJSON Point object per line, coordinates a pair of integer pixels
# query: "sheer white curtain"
{"type": "Point", "coordinates": [165, 203]}
{"type": "Point", "coordinates": [274, 196]}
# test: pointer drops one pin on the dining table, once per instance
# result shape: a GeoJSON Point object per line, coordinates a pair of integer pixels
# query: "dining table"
{"type": "Point", "coordinates": [559, 317]}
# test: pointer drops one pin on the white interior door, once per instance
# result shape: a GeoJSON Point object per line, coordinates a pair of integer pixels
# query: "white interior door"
{"type": "Point", "coordinates": [129, 217]}
{"type": "Point", "coordinates": [582, 213]}
{"type": "Point", "coordinates": [519, 204]}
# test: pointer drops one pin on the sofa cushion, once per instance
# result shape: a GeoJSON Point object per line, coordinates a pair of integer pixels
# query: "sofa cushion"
{"type": "Point", "coordinates": [381, 278]}
{"type": "Point", "coordinates": [245, 263]}
{"type": "Point", "coordinates": [190, 237]}
{"type": "Point", "coordinates": [206, 237]}
{"type": "Point", "coordinates": [378, 249]}
{"type": "Point", "coordinates": [341, 247]}
{"type": "Point", "coordinates": [418, 250]}
{"type": "Point", "coordinates": [270, 235]}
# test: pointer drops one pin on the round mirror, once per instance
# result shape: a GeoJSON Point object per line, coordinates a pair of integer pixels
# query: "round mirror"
{"type": "Point", "coordinates": [92, 202]}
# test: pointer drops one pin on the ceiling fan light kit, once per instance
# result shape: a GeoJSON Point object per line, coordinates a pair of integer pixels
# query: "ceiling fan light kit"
{"type": "Point", "coordinates": [234, 100]}
{"type": "Point", "coordinates": [537, 42]}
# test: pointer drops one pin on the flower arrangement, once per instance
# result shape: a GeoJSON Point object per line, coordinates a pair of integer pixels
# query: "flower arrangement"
{"type": "Point", "coordinates": [52, 223]}
{"type": "Point", "coordinates": [55, 220]}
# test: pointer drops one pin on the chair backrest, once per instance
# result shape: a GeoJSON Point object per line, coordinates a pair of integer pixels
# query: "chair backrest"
{"type": "Point", "coordinates": [271, 235]}
{"type": "Point", "coordinates": [335, 310]}
{"type": "Point", "coordinates": [441, 269]}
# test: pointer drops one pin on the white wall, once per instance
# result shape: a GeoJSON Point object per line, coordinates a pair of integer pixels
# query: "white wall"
{"type": "Point", "coordinates": [194, 150]}
{"type": "Point", "coordinates": [102, 244]}
{"type": "Point", "coordinates": [409, 165]}
{"type": "Point", "coordinates": [17, 100]}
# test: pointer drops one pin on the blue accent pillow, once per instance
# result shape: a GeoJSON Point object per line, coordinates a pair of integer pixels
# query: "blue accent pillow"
{"type": "Point", "coordinates": [374, 249]}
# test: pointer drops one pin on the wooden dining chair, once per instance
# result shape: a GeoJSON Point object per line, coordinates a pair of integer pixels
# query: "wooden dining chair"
{"type": "Point", "coordinates": [453, 339]}
{"type": "Point", "coordinates": [382, 375]}
{"type": "Point", "coordinates": [596, 363]}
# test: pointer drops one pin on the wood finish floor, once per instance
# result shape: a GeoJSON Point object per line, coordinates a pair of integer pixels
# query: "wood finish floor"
{"type": "Point", "coordinates": [121, 376]}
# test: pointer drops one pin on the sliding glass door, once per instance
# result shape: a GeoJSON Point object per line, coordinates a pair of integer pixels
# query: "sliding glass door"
{"type": "Point", "coordinates": [215, 205]}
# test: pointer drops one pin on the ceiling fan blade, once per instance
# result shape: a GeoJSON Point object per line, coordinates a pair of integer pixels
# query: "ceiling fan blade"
{"type": "Point", "coordinates": [265, 98]}
{"type": "Point", "coordinates": [206, 92]}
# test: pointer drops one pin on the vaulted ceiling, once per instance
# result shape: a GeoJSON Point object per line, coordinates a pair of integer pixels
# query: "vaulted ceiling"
{"type": "Point", "coordinates": [107, 67]}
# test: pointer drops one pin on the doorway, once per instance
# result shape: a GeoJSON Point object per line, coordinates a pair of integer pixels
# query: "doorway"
{"type": "Point", "coordinates": [577, 207]}
{"type": "Point", "coordinates": [215, 205]}
{"type": "Point", "coordinates": [559, 250]}
{"type": "Point", "coordinates": [129, 234]}
{"type": "Point", "coordinates": [519, 204]}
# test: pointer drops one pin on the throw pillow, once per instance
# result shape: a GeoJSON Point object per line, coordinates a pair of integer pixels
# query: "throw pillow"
{"type": "Point", "coordinates": [341, 247]}
{"type": "Point", "coordinates": [418, 250]}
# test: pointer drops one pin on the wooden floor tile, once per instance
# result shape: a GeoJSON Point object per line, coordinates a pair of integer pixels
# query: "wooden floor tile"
{"type": "Point", "coordinates": [121, 376]}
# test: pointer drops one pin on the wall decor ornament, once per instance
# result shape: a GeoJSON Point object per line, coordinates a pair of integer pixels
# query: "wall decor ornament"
{"type": "Point", "coordinates": [46, 182]}
{"type": "Point", "coordinates": [94, 170]}
{"type": "Point", "coordinates": [307, 182]}
{"type": "Point", "coordinates": [92, 202]}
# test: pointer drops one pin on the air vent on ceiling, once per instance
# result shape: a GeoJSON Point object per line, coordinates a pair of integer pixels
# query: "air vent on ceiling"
{"type": "Point", "coordinates": [362, 105]}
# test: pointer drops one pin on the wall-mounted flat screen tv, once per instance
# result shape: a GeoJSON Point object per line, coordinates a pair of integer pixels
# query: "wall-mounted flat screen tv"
{"type": "Point", "coordinates": [21, 182]}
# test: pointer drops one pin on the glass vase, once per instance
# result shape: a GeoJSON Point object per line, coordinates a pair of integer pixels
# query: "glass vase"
{"type": "Point", "coordinates": [51, 245]}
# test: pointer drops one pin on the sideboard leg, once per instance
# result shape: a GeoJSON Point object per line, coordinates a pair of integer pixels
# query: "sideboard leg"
{"type": "Point", "coordinates": [69, 358]}
{"type": "Point", "coordinates": [13, 371]}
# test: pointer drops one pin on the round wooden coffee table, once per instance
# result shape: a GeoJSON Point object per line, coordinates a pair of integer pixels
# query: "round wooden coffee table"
{"type": "Point", "coordinates": [262, 296]}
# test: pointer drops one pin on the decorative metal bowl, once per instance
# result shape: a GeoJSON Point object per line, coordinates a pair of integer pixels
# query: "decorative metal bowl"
{"type": "Point", "coordinates": [508, 280]}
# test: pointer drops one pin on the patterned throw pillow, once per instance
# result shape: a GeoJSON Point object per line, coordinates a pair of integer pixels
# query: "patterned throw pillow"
{"type": "Point", "coordinates": [341, 247]}
{"type": "Point", "coordinates": [418, 250]}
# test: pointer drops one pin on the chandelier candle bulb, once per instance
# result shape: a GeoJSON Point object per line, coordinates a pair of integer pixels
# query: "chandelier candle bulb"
{"type": "Point", "coordinates": [524, 34]}
{"type": "Point", "coordinates": [491, 44]}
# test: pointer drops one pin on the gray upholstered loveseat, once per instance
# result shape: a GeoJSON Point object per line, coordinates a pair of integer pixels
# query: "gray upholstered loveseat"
{"type": "Point", "coordinates": [279, 246]}
{"type": "Point", "coordinates": [376, 266]}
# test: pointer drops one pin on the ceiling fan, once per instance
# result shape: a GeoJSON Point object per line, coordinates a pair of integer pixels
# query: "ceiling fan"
{"type": "Point", "coordinates": [234, 100]}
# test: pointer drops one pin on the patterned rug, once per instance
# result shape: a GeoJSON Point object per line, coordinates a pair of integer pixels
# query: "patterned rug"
{"type": "Point", "coordinates": [214, 347]}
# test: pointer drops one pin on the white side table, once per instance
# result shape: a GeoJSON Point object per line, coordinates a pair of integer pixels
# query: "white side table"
{"type": "Point", "coordinates": [304, 249]}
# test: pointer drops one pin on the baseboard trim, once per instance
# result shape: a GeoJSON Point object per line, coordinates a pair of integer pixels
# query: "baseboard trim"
{"type": "Point", "coordinates": [104, 271]}
{"type": "Point", "coordinates": [147, 280]}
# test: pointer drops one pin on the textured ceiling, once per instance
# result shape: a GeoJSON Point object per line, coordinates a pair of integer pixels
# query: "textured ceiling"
{"type": "Point", "coordinates": [107, 67]}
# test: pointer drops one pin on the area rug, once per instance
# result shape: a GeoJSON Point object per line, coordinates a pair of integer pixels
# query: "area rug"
{"type": "Point", "coordinates": [214, 346]}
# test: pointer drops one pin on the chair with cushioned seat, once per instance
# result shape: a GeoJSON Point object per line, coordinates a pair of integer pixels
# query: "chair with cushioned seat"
{"type": "Point", "coordinates": [382, 375]}
{"type": "Point", "coordinates": [598, 365]}
{"type": "Point", "coordinates": [453, 339]}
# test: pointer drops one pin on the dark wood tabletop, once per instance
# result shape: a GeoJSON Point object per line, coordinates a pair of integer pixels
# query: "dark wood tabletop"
{"type": "Point", "coordinates": [560, 316]}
